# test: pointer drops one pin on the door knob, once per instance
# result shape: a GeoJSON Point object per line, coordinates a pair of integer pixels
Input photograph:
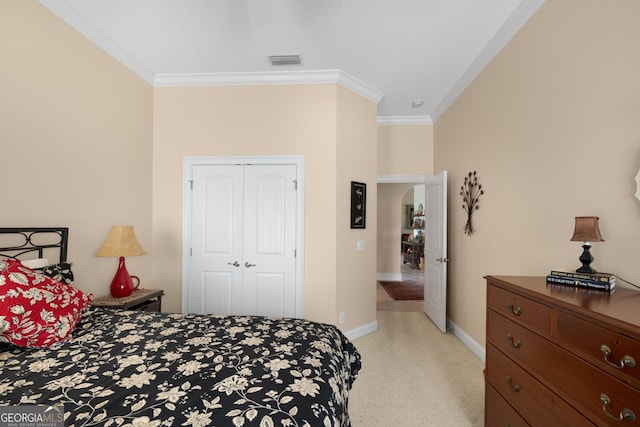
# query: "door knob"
{"type": "Point", "coordinates": [246, 264]}
{"type": "Point", "coordinates": [442, 259]}
{"type": "Point", "coordinates": [235, 263]}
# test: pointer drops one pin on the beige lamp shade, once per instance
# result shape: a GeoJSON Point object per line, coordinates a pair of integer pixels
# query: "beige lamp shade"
{"type": "Point", "coordinates": [120, 242]}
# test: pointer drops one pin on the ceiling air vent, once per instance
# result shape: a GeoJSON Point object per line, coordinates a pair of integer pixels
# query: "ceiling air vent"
{"type": "Point", "coordinates": [277, 60]}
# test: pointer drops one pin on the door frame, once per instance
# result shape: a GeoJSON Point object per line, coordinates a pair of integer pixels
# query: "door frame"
{"type": "Point", "coordinates": [187, 196]}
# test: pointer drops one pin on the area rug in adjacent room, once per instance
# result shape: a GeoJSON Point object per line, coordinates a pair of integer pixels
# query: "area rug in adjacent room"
{"type": "Point", "coordinates": [405, 290]}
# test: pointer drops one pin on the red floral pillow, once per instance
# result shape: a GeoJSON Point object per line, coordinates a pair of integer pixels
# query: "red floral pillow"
{"type": "Point", "coordinates": [35, 310]}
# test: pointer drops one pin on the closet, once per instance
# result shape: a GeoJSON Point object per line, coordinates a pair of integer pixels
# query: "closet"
{"type": "Point", "coordinates": [242, 255]}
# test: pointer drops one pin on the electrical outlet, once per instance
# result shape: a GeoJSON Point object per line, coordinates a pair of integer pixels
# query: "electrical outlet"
{"type": "Point", "coordinates": [360, 246]}
{"type": "Point", "coordinates": [343, 317]}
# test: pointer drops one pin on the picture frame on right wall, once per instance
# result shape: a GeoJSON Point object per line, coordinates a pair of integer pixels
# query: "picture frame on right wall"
{"type": "Point", "coordinates": [358, 204]}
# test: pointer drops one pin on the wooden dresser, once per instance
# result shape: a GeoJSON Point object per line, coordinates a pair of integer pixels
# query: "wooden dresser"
{"type": "Point", "coordinates": [561, 356]}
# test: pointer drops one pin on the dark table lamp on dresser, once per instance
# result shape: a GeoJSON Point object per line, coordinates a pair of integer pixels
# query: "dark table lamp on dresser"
{"type": "Point", "coordinates": [586, 231]}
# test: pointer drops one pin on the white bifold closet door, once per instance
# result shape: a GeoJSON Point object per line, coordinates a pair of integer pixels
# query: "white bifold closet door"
{"type": "Point", "coordinates": [243, 240]}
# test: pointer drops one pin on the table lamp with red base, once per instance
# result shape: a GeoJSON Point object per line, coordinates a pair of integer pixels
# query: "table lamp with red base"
{"type": "Point", "coordinates": [121, 242]}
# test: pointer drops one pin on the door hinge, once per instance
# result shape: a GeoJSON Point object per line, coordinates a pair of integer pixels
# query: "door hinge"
{"type": "Point", "coordinates": [295, 253]}
{"type": "Point", "coordinates": [190, 251]}
{"type": "Point", "coordinates": [295, 184]}
{"type": "Point", "coordinates": [191, 184]}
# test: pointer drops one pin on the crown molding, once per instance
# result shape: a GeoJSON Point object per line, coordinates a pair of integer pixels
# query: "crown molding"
{"type": "Point", "coordinates": [357, 86]}
{"type": "Point", "coordinates": [405, 120]}
{"type": "Point", "coordinates": [516, 21]}
{"type": "Point", "coordinates": [270, 78]}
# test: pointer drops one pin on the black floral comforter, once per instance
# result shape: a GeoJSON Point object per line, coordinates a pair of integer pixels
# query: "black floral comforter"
{"type": "Point", "coordinates": [126, 368]}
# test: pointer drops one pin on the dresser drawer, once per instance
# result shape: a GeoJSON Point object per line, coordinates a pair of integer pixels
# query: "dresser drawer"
{"type": "Point", "coordinates": [529, 313]}
{"type": "Point", "coordinates": [539, 405]}
{"type": "Point", "coordinates": [611, 351]}
{"type": "Point", "coordinates": [497, 412]}
{"type": "Point", "coordinates": [522, 345]}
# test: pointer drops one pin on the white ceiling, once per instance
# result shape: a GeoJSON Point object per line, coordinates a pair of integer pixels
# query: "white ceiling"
{"type": "Point", "coordinates": [392, 52]}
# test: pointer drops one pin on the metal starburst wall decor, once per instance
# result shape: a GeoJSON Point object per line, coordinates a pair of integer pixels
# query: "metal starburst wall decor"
{"type": "Point", "coordinates": [470, 191]}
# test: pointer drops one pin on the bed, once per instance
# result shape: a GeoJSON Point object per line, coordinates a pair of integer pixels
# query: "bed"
{"type": "Point", "coordinates": [133, 368]}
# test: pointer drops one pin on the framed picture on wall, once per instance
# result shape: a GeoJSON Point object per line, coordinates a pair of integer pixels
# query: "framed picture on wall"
{"type": "Point", "coordinates": [358, 204]}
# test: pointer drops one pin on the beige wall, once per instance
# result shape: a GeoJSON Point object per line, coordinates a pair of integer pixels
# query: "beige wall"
{"type": "Point", "coordinates": [357, 159]}
{"type": "Point", "coordinates": [405, 150]}
{"type": "Point", "coordinates": [75, 132]}
{"type": "Point", "coordinates": [308, 120]}
{"type": "Point", "coordinates": [552, 126]}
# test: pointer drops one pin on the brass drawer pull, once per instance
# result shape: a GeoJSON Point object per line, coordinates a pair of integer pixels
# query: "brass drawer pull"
{"type": "Point", "coordinates": [514, 343]}
{"type": "Point", "coordinates": [626, 361]}
{"type": "Point", "coordinates": [516, 311]}
{"type": "Point", "coordinates": [514, 387]}
{"type": "Point", "coordinates": [626, 413]}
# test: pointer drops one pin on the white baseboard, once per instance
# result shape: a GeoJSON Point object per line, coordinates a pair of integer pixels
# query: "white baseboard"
{"type": "Point", "coordinates": [391, 277]}
{"type": "Point", "coordinates": [361, 331]}
{"type": "Point", "coordinates": [473, 345]}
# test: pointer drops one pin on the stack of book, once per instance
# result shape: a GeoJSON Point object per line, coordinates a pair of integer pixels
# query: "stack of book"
{"type": "Point", "coordinates": [605, 282]}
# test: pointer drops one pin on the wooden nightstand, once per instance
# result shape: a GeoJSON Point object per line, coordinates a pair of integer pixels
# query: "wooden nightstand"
{"type": "Point", "coordinates": [139, 300]}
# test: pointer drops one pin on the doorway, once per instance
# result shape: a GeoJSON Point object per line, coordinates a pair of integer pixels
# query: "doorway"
{"type": "Point", "coordinates": [398, 254]}
{"type": "Point", "coordinates": [435, 240]}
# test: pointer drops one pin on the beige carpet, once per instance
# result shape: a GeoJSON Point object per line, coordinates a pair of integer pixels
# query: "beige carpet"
{"type": "Point", "coordinates": [415, 376]}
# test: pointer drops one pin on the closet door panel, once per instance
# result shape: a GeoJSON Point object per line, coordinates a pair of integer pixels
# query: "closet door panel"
{"type": "Point", "coordinates": [216, 274]}
{"type": "Point", "coordinates": [269, 240]}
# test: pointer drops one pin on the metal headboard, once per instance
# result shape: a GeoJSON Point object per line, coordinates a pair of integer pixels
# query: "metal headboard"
{"type": "Point", "coordinates": [25, 243]}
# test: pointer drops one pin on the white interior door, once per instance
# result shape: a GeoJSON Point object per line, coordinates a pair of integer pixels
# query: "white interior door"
{"type": "Point", "coordinates": [243, 240]}
{"type": "Point", "coordinates": [269, 240]}
{"type": "Point", "coordinates": [215, 284]}
{"type": "Point", "coordinates": [435, 250]}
